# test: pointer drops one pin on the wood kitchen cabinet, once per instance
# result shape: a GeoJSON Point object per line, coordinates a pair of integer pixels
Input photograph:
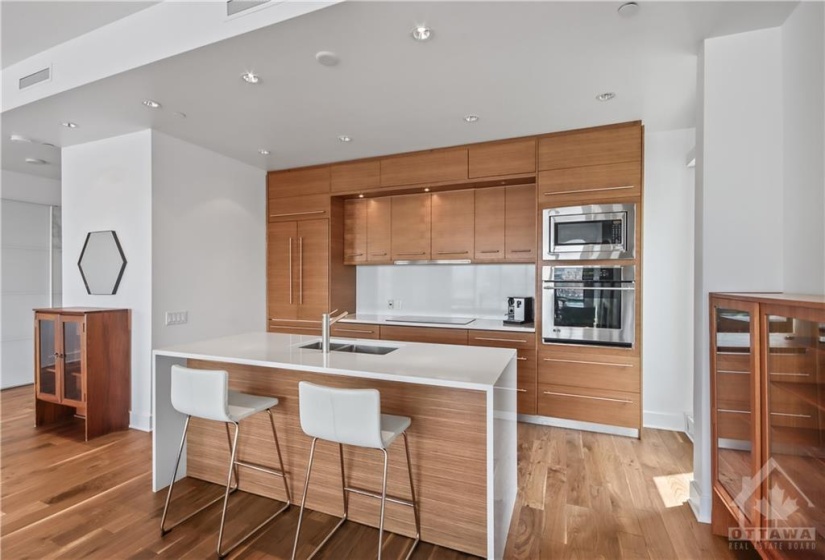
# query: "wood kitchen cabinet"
{"type": "Point", "coordinates": [379, 230]}
{"type": "Point", "coordinates": [298, 270]}
{"type": "Point", "coordinates": [509, 157]}
{"type": "Point", "coordinates": [424, 167]}
{"type": "Point", "coordinates": [489, 225]}
{"type": "Point", "coordinates": [525, 345]}
{"type": "Point", "coordinates": [768, 418]}
{"type": "Point", "coordinates": [520, 223]}
{"type": "Point", "coordinates": [355, 176]}
{"type": "Point", "coordinates": [453, 225]}
{"type": "Point", "coordinates": [355, 231]}
{"type": "Point", "coordinates": [591, 146]}
{"type": "Point", "coordinates": [410, 222]}
{"type": "Point", "coordinates": [82, 362]}
{"type": "Point", "coordinates": [298, 182]}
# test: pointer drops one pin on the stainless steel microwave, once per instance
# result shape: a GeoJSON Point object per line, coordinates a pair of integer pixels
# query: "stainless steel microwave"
{"type": "Point", "coordinates": [597, 231]}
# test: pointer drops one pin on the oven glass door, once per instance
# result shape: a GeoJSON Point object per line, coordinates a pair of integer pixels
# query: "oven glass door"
{"type": "Point", "coordinates": [591, 307]}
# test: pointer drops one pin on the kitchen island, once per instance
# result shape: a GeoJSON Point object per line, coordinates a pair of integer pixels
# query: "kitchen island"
{"type": "Point", "coordinates": [462, 401]}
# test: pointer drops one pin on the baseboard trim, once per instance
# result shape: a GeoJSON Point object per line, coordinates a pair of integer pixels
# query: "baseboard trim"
{"type": "Point", "coordinates": [699, 504]}
{"type": "Point", "coordinates": [672, 421]}
{"type": "Point", "coordinates": [578, 425]}
{"type": "Point", "coordinates": [142, 422]}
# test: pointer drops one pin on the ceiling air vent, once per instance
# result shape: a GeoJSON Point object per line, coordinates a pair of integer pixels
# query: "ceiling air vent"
{"type": "Point", "coordinates": [237, 6]}
{"type": "Point", "coordinates": [36, 78]}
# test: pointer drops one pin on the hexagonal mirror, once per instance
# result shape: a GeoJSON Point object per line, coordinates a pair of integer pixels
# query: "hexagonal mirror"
{"type": "Point", "coordinates": [101, 263]}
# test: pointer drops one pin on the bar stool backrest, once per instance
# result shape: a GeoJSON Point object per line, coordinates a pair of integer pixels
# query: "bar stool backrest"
{"type": "Point", "coordinates": [201, 393]}
{"type": "Point", "coordinates": [348, 416]}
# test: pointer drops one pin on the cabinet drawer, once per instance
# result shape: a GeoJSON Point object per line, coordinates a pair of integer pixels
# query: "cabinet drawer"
{"type": "Point", "coordinates": [432, 335]}
{"type": "Point", "coordinates": [733, 390]}
{"type": "Point", "coordinates": [599, 146]}
{"type": "Point", "coordinates": [620, 374]}
{"type": "Point", "coordinates": [309, 328]}
{"type": "Point", "coordinates": [526, 382]}
{"type": "Point", "coordinates": [502, 158]}
{"type": "Point", "coordinates": [427, 167]}
{"type": "Point", "coordinates": [614, 408]}
{"type": "Point", "coordinates": [503, 339]}
{"type": "Point", "coordinates": [296, 182]}
{"type": "Point", "coordinates": [298, 208]}
{"type": "Point", "coordinates": [733, 362]}
{"type": "Point", "coordinates": [355, 330]}
{"type": "Point", "coordinates": [354, 177]}
{"type": "Point", "coordinates": [733, 424]}
{"type": "Point", "coordinates": [788, 406]}
{"type": "Point", "coordinates": [590, 184]}
{"type": "Point", "coordinates": [797, 367]}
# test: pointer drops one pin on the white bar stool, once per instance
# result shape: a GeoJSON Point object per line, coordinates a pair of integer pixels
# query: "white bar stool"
{"type": "Point", "coordinates": [352, 417]}
{"type": "Point", "coordinates": [205, 394]}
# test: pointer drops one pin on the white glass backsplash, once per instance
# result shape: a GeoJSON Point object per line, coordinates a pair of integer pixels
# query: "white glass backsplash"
{"type": "Point", "coordinates": [444, 290]}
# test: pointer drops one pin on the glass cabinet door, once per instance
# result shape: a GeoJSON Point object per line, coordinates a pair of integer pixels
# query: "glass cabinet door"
{"type": "Point", "coordinates": [794, 481]}
{"type": "Point", "coordinates": [47, 358]}
{"type": "Point", "coordinates": [734, 358]}
{"type": "Point", "coordinates": [72, 336]}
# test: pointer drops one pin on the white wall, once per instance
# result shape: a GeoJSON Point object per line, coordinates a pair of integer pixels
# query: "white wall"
{"type": "Point", "coordinates": [458, 290]}
{"type": "Point", "coordinates": [29, 188]}
{"type": "Point", "coordinates": [107, 185]}
{"type": "Point", "coordinates": [668, 279]}
{"type": "Point", "coordinates": [208, 242]}
{"type": "Point", "coordinates": [739, 241]}
{"type": "Point", "coordinates": [803, 67]}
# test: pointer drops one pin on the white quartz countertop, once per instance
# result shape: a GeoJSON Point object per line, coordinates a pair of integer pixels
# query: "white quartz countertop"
{"type": "Point", "coordinates": [476, 324]}
{"type": "Point", "coordinates": [467, 367]}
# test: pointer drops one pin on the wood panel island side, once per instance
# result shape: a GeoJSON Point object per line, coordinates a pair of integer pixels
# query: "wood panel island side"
{"type": "Point", "coordinates": [462, 401]}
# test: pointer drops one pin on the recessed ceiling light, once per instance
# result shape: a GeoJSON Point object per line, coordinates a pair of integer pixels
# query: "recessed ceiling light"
{"type": "Point", "coordinates": [264, 152]}
{"type": "Point", "coordinates": [69, 124]}
{"type": "Point", "coordinates": [151, 104]}
{"type": "Point", "coordinates": [49, 145]}
{"type": "Point", "coordinates": [180, 114]}
{"type": "Point", "coordinates": [36, 161]}
{"type": "Point", "coordinates": [327, 58]}
{"type": "Point", "coordinates": [606, 96]}
{"type": "Point", "coordinates": [628, 9]}
{"type": "Point", "coordinates": [19, 138]}
{"type": "Point", "coordinates": [421, 33]}
{"type": "Point", "coordinates": [471, 118]}
{"type": "Point", "coordinates": [250, 77]}
{"type": "Point", "coordinates": [344, 138]}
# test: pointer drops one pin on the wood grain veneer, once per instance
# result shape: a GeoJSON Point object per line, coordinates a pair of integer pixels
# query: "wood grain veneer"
{"type": "Point", "coordinates": [520, 223]}
{"type": "Point", "coordinates": [298, 182]}
{"type": "Point", "coordinates": [593, 146]}
{"type": "Point", "coordinates": [453, 224]}
{"type": "Point", "coordinates": [355, 330]}
{"type": "Point", "coordinates": [579, 369]}
{"type": "Point", "coordinates": [430, 335]}
{"type": "Point", "coordinates": [502, 158]}
{"type": "Point", "coordinates": [355, 231]}
{"type": "Point", "coordinates": [602, 406]}
{"type": "Point", "coordinates": [355, 176]}
{"type": "Point", "coordinates": [424, 167]}
{"type": "Point", "coordinates": [312, 268]}
{"type": "Point", "coordinates": [305, 207]}
{"type": "Point", "coordinates": [447, 446]}
{"type": "Point", "coordinates": [593, 184]}
{"type": "Point", "coordinates": [307, 327]}
{"type": "Point", "coordinates": [379, 230]}
{"type": "Point", "coordinates": [411, 229]}
{"type": "Point", "coordinates": [489, 225]}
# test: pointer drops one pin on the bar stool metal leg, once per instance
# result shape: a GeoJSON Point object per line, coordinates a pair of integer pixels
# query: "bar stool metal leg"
{"type": "Point", "coordinates": [226, 494]}
{"type": "Point", "coordinates": [412, 497]}
{"type": "Point", "coordinates": [280, 459]}
{"type": "Point", "coordinates": [383, 504]}
{"type": "Point", "coordinates": [304, 497]}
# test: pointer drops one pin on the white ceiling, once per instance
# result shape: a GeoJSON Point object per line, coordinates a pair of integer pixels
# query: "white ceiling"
{"type": "Point", "coordinates": [32, 26]}
{"type": "Point", "coordinates": [525, 68]}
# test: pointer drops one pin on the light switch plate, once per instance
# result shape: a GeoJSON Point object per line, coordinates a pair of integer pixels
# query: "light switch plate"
{"type": "Point", "coordinates": [177, 318]}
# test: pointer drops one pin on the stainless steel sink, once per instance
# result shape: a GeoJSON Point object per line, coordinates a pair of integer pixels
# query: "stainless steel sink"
{"type": "Point", "coordinates": [352, 348]}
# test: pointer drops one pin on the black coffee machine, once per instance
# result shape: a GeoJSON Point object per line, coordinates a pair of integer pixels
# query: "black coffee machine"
{"type": "Point", "coordinates": [519, 311]}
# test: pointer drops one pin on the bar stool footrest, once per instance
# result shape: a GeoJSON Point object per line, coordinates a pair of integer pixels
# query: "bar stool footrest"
{"type": "Point", "coordinates": [261, 468]}
{"type": "Point", "coordinates": [371, 494]}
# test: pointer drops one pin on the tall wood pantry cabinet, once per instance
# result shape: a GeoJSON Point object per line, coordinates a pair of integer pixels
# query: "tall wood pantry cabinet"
{"type": "Point", "coordinates": [767, 358]}
{"type": "Point", "coordinates": [82, 367]}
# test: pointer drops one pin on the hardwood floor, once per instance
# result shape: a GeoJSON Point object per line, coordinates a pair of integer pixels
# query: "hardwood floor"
{"type": "Point", "coordinates": [581, 495]}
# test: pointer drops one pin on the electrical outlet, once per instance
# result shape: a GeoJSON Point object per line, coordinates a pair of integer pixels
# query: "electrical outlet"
{"type": "Point", "coordinates": [397, 304]}
{"type": "Point", "coordinates": [390, 304]}
{"type": "Point", "coordinates": [177, 317]}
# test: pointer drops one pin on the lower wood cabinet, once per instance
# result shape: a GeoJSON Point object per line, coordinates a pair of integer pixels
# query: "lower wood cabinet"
{"type": "Point", "coordinates": [355, 330]}
{"type": "Point", "coordinates": [82, 367]}
{"type": "Point", "coordinates": [525, 345]}
{"type": "Point", "coordinates": [429, 335]}
{"type": "Point", "coordinates": [308, 327]}
{"type": "Point", "coordinates": [601, 406]}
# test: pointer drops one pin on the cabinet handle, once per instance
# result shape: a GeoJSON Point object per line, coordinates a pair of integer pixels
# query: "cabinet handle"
{"type": "Point", "coordinates": [732, 411]}
{"type": "Point", "coordinates": [789, 415]}
{"type": "Point", "coordinates": [272, 320]}
{"type": "Point", "coordinates": [290, 271]}
{"type": "Point", "coordinates": [489, 252]}
{"type": "Point", "coordinates": [625, 401]}
{"type": "Point", "coordinates": [491, 339]}
{"type": "Point", "coordinates": [300, 270]}
{"type": "Point", "coordinates": [590, 190]}
{"type": "Point", "coordinates": [378, 254]}
{"type": "Point", "coordinates": [791, 374]}
{"type": "Point", "coordinates": [339, 329]}
{"type": "Point", "coordinates": [731, 371]}
{"type": "Point", "coordinates": [300, 328]}
{"type": "Point", "coordinates": [521, 358]}
{"type": "Point", "coordinates": [521, 251]}
{"type": "Point", "coordinates": [407, 254]}
{"type": "Point", "coordinates": [448, 253]}
{"type": "Point", "coordinates": [521, 390]}
{"type": "Point", "coordinates": [309, 213]}
{"type": "Point", "coordinates": [585, 362]}
{"type": "Point", "coordinates": [356, 255]}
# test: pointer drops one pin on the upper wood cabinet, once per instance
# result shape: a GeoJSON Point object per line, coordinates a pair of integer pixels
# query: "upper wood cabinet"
{"type": "Point", "coordinates": [411, 227]}
{"type": "Point", "coordinates": [426, 167]}
{"type": "Point", "coordinates": [295, 182]}
{"type": "Point", "coordinates": [489, 224]}
{"type": "Point", "coordinates": [597, 146]}
{"type": "Point", "coordinates": [355, 176]}
{"type": "Point", "coordinates": [520, 223]}
{"type": "Point", "coordinates": [355, 231]}
{"type": "Point", "coordinates": [379, 230]}
{"type": "Point", "coordinates": [453, 224]}
{"type": "Point", "coordinates": [596, 183]}
{"type": "Point", "coordinates": [502, 158]}
{"type": "Point", "coordinates": [299, 208]}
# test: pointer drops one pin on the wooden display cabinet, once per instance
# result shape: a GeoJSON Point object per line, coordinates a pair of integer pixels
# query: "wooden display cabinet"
{"type": "Point", "coordinates": [82, 366]}
{"type": "Point", "coordinates": [768, 421]}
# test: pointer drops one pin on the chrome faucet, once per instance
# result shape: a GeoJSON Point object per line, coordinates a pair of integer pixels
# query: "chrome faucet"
{"type": "Point", "coordinates": [327, 320]}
